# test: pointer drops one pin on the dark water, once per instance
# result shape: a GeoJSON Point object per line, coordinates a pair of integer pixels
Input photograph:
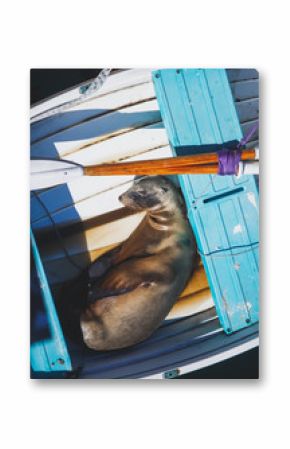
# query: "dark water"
{"type": "Point", "coordinates": [244, 366]}
{"type": "Point", "coordinates": [47, 82]}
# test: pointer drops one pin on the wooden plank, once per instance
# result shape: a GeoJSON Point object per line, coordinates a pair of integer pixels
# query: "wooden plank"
{"type": "Point", "coordinates": [253, 144]}
{"type": "Point", "coordinates": [246, 127]}
{"type": "Point", "coordinates": [243, 90]}
{"type": "Point", "coordinates": [98, 129]}
{"type": "Point", "coordinates": [248, 110]}
{"type": "Point", "coordinates": [223, 105]}
{"type": "Point", "coordinates": [189, 100]}
{"type": "Point", "coordinates": [123, 146]}
{"type": "Point", "coordinates": [115, 82]}
{"type": "Point", "coordinates": [46, 353]}
{"type": "Point", "coordinates": [242, 74]}
{"type": "Point", "coordinates": [192, 304]}
{"type": "Point", "coordinates": [197, 282]}
{"type": "Point", "coordinates": [90, 109]}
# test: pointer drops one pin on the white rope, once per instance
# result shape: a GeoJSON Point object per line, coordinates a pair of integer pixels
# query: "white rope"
{"type": "Point", "coordinates": [95, 85]}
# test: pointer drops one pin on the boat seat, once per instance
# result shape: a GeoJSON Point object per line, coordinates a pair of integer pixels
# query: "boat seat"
{"type": "Point", "coordinates": [199, 115]}
{"type": "Point", "coordinates": [48, 349]}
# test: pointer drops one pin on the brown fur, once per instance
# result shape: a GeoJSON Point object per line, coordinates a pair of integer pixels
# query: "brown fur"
{"type": "Point", "coordinates": [135, 285]}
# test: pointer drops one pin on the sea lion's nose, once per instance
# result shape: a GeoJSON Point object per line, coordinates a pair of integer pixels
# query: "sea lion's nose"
{"type": "Point", "coordinates": [120, 198]}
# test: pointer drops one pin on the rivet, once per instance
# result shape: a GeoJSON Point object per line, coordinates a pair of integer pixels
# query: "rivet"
{"type": "Point", "coordinates": [60, 361]}
{"type": "Point", "coordinates": [178, 71]}
{"type": "Point", "coordinates": [229, 329]}
{"type": "Point", "coordinates": [157, 75]}
{"type": "Point", "coordinates": [171, 374]}
{"type": "Point", "coordinates": [248, 320]}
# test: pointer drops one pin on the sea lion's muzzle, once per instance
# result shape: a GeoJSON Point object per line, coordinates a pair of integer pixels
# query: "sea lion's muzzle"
{"type": "Point", "coordinates": [126, 200]}
{"type": "Point", "coordinates": [138, 201]}
{"type": "Point", "coordinates": [132, 200]}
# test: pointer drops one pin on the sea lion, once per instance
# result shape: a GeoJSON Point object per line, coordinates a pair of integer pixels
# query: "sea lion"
{"type": "Point", "coordinates": [134, 286]}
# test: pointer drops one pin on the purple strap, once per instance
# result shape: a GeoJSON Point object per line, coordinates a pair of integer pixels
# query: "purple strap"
{"type": "Point", "coordinates": [247, 137]}
{"type": "Point", "coordinates": [229, 161]}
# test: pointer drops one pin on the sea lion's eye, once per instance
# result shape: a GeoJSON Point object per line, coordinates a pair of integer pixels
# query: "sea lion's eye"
{"type": "Point", "coordinates": [142, 192]}
{"type": "Point", "coordinates": [164, 189]}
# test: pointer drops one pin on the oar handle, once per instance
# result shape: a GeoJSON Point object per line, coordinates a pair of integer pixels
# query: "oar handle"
{"type": "Point", "coordinates": [193, 164]}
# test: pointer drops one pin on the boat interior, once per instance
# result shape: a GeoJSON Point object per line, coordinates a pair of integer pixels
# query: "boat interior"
{"type": "Point", "coordinates": [76, 223]}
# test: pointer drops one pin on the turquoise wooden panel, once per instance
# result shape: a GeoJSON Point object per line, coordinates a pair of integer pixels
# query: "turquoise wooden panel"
{"type": "Point", "coordinates": [190, 103]}
{"type": "Point", "coordinates": [49, 355]}
{"type": "Point", "coordinates": [198, 112]}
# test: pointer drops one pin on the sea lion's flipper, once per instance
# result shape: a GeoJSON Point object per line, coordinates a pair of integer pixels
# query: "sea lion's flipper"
{"type": "Point", "coordinates": [116, 282]}
{"type": "Point", "coordinates": [101, 265]}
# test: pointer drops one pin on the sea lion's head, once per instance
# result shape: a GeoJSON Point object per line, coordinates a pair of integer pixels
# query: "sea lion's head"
{"type": "Point", "coordinates": [151, 193]}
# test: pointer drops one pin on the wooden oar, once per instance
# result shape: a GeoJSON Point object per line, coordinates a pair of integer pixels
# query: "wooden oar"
{"type": "Point", "coordinates": [46, 173]}
{"type": "Point", "coordinates": [165, 166]}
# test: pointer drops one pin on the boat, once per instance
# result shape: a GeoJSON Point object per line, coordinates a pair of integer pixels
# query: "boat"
{"type": "Point", "coordinates": [73, 224]}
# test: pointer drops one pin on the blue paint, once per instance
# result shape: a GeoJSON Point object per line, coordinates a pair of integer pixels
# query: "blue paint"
{"type": "Point", "coordinates": [56, 123]}
{"type": "Point", "coordinates": [198, 112]}
{"type": "Point", "coordinates": [49, 354]}
{"type": "Point", "coordinates": [51, 200]}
